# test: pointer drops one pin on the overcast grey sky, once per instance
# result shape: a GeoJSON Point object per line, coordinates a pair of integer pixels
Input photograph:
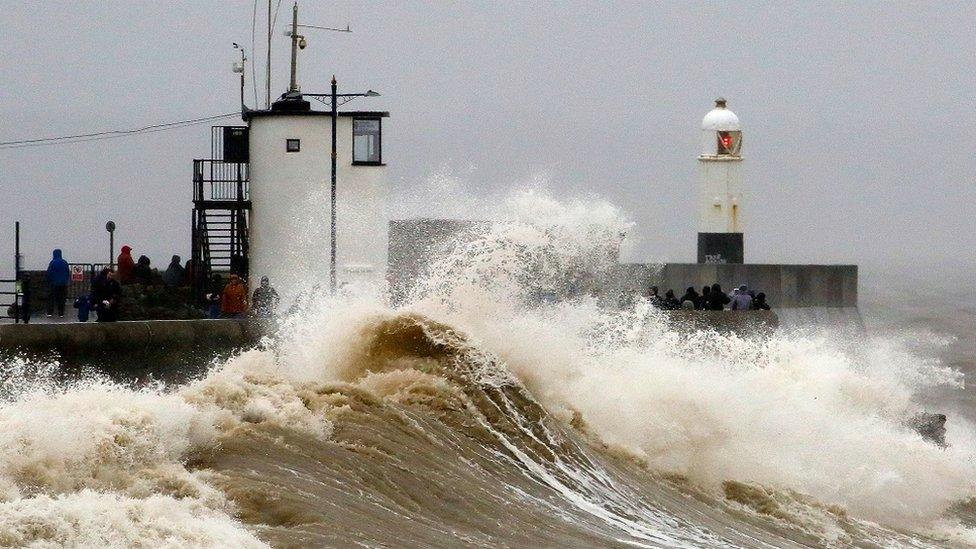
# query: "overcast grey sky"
{"type": "Point", "coordinates": [859, 120]}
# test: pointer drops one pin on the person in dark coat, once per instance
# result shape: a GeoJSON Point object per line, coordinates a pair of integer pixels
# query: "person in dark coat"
{"type": "Point", "coordinates": [188, 273]}
{"type": "Point", "coordinates": [84, 305]}
{"type": "Point", "coordinates": [702, 304]}
{"type": "Point", "coordinates": [142, 272]}
{"type": "Point", "coordinates": [24, 309]}
{"type": "Point", "coordinates": [213, 297]}
{"type": "Point", "coordinates": [175, 273]}
{"type": "Point", "coordinates": [717, 300]}
{"type": "Point", "coordinates": [692, 296]}
{"type": "Point", "coordinates": [264, 300]}
{"type": "Point", "coordinates": [655, 298]}
{"type": "Point", "coordinates": [759, 304]}
{"type": "Point", "coordinates": [58, 277]}
{"type": "Point", "coordinates": [670, 303]}
{"type": "Point", "coordinates": [126, 265]}
{"type": "Point", "coordinates": [107, 294]}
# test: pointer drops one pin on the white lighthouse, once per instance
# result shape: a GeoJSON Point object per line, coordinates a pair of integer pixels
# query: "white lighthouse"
{"type": "Point", "coordinates": [720, 215]}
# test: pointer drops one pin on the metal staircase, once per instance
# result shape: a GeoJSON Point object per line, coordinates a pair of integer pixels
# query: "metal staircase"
{"type": "Point", "coordinates": [221, 207]}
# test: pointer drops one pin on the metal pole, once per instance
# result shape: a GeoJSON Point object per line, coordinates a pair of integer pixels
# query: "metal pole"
{"type": "Point", "coordinates": [17, 301]}
{"type": "Point", "coordinates": [267, 102]}
{"type": "Point", "coordinates": [110, 227]}
{"type": "Point", "coordinates": [17, 250]}
{"type": "Point", "coordinates": [332, 264]}
{"type": "Point", "coordinates": [293, 85]}
{"type": "Point", "coordinates": [243, 70]}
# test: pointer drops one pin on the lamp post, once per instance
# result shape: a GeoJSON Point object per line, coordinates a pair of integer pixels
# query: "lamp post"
{"type": "Point", "coordinates": [334, 103]}
{"type": "Point", "coordinates": [110, 227]}
{"type": "Point", "coordinates": [18, 284]}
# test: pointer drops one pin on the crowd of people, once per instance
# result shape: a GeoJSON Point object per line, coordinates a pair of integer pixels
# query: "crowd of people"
{"type": "Point", "coordinates": [230, 299]}
{"type": "Point", "coordinates": [224, 300]}
{"type": "Point", "coordinates": [711, 298]}
{"type": "Point", "coordinates": [141, 271]}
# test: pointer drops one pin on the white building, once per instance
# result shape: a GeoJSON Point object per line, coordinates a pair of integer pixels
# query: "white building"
{"type": "Point", "coordinates": [720, 213]}
{"type": "Point", "coordinates": [289, 150]}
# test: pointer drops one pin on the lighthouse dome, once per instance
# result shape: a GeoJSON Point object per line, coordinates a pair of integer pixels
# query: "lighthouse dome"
{"type": "Point", "coordinates": [721, 119]}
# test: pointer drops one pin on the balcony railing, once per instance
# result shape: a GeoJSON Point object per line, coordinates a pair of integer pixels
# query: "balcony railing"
{"type": "Point", "coordinates": [219, 181]}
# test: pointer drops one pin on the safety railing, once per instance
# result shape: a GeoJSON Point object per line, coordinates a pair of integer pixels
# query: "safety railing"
{"type": "Point", "coordinates": [217, 180]}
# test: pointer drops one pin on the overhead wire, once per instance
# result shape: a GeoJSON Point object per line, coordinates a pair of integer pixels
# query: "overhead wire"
{"type": "Point", "coordinates": [111, 134]}
{"type": "Point", "coordinates": [274, 20]}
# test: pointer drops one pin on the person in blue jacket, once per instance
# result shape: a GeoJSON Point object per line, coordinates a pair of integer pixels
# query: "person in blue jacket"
{"type": "Point", "coordinates": [58, 276]}
{"type": "Point", "coordinates": [84, 306]}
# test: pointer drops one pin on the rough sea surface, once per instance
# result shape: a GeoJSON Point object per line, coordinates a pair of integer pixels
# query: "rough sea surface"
{"type": "Point", "coordinates": [475, 415]}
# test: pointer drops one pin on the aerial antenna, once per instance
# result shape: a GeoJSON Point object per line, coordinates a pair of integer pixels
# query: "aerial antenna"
{"type": "Point", "coordinates": [239, 67]}
{"type": "Point", "coordinates": [298, 42]}
{"type": "Point", "coordinates": [267, 66]}
{"type": "Point", "coordinates": [347, 29]}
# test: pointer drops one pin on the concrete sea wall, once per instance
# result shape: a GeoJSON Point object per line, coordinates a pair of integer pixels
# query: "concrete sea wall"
{"type": "Point", "coordinates": [414, 243]}
{"type": "Point", "coordinates": [785, 286]}
{"type": "Point", "coordinates": [130, 337]}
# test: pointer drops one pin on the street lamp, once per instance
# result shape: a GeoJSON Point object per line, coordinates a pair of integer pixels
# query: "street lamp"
{"type": "Point", "coordinates": [110, 227]}
{"type": "Point", "coordinates": [335, 102]}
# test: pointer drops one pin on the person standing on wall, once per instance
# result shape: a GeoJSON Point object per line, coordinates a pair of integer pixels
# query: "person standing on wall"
{"type": "Point", "coordinates": [214, 297]}
{"type": "Point", "coordinates": [58, 277]}
{"type": "Point", "coordinates": [142, 273]}
{"type": "Point", "coordinates": [742, 300]}
{"type": "Point", "coordinates": [175, 273]}
{"type": "Point", "coordinates": [126, 265]}
{"type": "Point", "coordinates": [233, 302]}
{"type": "Point", "coordinates": [265, 299]}
{"type": "Point", "coordinates": [717, 300]}
{"type": "Point", "coordinates": [24, 310]}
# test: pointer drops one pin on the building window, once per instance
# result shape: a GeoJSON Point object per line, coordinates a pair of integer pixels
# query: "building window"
{"type": "Point", "coordinates": [366, 142]}
{"type": "Point", "coordinates": [293, 145]}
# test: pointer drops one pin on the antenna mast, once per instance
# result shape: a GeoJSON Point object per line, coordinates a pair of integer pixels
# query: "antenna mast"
{"type": "Point", "coordinates": [267, 100]}
{"type": "Point", "coordinates": [293, 85]}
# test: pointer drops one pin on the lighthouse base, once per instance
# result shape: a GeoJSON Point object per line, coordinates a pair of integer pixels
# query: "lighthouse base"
{"type": "Point", "coordinates": [720, 248]}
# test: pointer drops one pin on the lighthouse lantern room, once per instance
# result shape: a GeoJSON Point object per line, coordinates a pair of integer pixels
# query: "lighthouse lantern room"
{"type": "Point", "coordinates": [720, 215]}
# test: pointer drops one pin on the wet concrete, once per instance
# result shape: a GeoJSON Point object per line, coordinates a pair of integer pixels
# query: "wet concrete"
{"type": "Point", "coordinates": [80, 337]}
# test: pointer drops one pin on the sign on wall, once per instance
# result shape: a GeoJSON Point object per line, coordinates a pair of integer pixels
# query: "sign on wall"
{"type": "Point", "coordinates": [77, 273]}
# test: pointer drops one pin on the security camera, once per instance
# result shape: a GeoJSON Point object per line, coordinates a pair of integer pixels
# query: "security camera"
{"type": "Point", "coordinates": [302, 43]}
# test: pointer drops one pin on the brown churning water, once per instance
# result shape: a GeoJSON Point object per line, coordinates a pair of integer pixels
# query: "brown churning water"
{"type": "Point", "coordinates": [470, 418]}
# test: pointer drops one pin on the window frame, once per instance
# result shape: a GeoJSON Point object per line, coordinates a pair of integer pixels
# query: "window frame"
{"type": "Point", "coordinates": [379, 142]}
{"type": "Point", "coordinates": [735, 138]}
{"type": "Point", "coordinates": [290, 141]}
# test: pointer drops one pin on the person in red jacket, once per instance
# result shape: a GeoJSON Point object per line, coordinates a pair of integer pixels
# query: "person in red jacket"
{"type": "Point", "coordinates": [233, 302]}
{"type": "Point", "coordinates": [125, 265]}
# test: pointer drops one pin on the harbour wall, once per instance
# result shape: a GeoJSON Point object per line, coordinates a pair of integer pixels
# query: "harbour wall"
{"type": "Point", "coordinates": [785, 286]}
{"type": "Point", "coordinates": [131, 338]}
{"type": "Point", "coordinates": [414, 243]}
{"type": "Point", "coordinates": [126, 341]}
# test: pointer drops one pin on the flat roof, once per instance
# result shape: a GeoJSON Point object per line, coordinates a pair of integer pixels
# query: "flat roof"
{"type": "Point", "coordinates": [262, 113]}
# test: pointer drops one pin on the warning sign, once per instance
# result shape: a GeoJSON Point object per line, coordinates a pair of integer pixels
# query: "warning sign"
{"type": "Point", "coordinates": [77, 273]}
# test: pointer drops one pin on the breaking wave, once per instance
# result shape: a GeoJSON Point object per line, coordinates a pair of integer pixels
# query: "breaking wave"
{"type": "Point", "coordinates": [481, 413]}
